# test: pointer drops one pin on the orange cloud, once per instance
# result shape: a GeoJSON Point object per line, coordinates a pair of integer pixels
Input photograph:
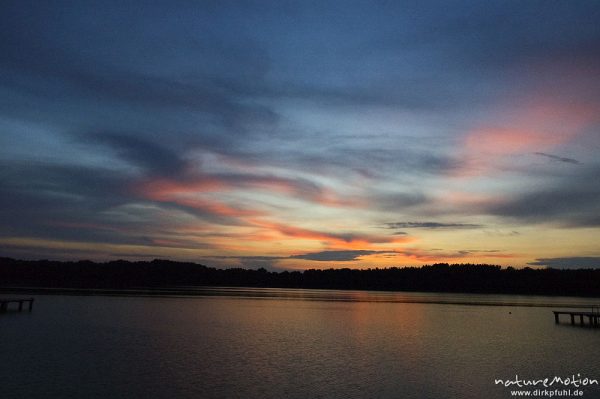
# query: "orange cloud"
{"type": "Point", "coordinates": [215, 207]}
{"type": "Point", "coordinates": [165, 189]}
{"type": "Point", "coordinates": [333, 241]}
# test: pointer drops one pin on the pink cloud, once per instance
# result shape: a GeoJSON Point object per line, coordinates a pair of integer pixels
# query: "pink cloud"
{"type": "Point", "coordinates": [538, 125]}
{"type": "Point", "coordinates": [169, 189]}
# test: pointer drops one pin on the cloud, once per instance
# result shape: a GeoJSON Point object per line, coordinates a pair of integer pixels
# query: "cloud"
{"type": "Point", "coordinates": [533, 124]}
{"type": "Point", "coordinates": [568, 200]}
{"type": "Point", "coordinates": [117, 69]}
{"type": "Point", "coordinates": [192, 190]}
{"type": "Point", "coordinates": [421, 255]}
{"type": "Point", "coordinates": [575, 262]}
{"type": "Point", "coordinates": [34, 192]}
{"type": "Point", "coordinates": [502, 233]}
{"type": "Point", "coordinates": [557, 158]}
{"type": "Point", "coordinates": [398, 201]}
{"type": "Point", "coordinates": [271, 262]}
{"type": "Point", "coordinates": [336, 240]}
{"type": "Point", "coordinates": [154, 158]}
{"type": "Point", "coordinates": [439, 255]}
{"type": "Point", "coordinates": [570, 208]}
{"type": "Point", "coordinates": [385, 157]}
{"type": "Point", "coordinates": [92, 204]}
{"type": "Point", "coordinates": [431, 225]}
{"type": "Point", "coordinates": [321, 256]}
{"type": "Point", "coordinates": [339, 256]}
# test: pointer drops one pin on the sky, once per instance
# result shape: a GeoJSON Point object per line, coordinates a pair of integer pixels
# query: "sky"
{"type": "Point", "coordinates": [294, 135]}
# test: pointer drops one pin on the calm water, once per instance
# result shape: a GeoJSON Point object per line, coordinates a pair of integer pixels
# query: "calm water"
{"type": "Point", "coordinates": [264, 343]}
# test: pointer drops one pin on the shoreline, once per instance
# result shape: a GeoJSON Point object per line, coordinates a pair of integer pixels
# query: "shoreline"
{"type": "Point", "coordinates": [311, 294]}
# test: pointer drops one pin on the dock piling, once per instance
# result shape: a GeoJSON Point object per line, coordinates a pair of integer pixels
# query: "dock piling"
{"type": "Point", "coordinates": [592, 317]}
{"type": "Point", "coordinates": [5, 302]}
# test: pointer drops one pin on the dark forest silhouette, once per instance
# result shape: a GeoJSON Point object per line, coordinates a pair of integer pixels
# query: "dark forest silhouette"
{"type": "Point", "coordinates": [159, 273]}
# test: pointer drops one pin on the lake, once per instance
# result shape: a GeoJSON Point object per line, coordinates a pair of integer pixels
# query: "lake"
{"type": "Point", "coordinates": [285, 343]}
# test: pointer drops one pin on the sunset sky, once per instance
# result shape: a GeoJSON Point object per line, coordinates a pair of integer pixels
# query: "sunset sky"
{"type": "Point", "coordinates": [292, 135]}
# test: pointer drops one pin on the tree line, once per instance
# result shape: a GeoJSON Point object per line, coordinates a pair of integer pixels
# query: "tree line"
{"type": "Point", "coordinates": [441, 277]}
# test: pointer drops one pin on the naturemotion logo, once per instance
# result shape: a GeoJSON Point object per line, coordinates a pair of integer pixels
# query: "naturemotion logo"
{"type": "Point", "coordinates": [536, 386]}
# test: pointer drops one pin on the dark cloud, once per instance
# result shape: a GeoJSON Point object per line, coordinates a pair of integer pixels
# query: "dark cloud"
{"type": "Point", "coordinates": [575, 262]}
{"type": "Point", "coordinates": [322, 256]}
{"type": "Point", "coordinates": [92, 188]}
{"type": "Point", "coordinates": [431, 225]}
{"type": "Point", "coordinates": [497, 35]}
{"type": "Point", "coordinates": [474, 251]}
{"type": "Point", "coordinates": [559, 159]}
{"type": "Point", "coordinates": [90, 58]}
{"type": "Point", "coordinates": [339, 256]}
{"type": "Point", "coordinates": [499, 44]}
{"type": "Point", "coordinates": [556, 205]}
{"type": "Point", "coordinates": [386, 161]}
{"type": "Point", "coordinates": [34, 252]}
{"type": "Point", "coordinates": [80, 203]}
{"type": "Point", "coordinates": [195, 63]}
{"type": "Point", "coordinates": [138, 89]}
{"type": "Point", "coordinates": [500, 233]}
{"type": "Point", "coordinates": [43, 200]}
{"type": "Point", "coordinates": [570, 200]}
{"type": "Point", "coordinates": [154, 158]}
{"type": "Point", "coordinates": [398, 201]}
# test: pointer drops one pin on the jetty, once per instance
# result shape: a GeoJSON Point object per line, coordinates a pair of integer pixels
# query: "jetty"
{"type": "Point", "coordinates": [593, 317]}
{"type": "Point", "coordinates": [6, 302]}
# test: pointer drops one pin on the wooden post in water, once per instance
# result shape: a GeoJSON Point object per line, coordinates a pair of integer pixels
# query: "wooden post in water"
{"type": "Point", "coordinates": [593, 317]}
{"type": "Point", "coordinates": [5, 303]}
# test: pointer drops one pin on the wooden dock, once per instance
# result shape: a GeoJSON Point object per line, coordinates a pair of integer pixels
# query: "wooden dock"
{"type": "Point", "coordinates": [593, 317]}
{"type": "Point", "coordinates": [5, 302]}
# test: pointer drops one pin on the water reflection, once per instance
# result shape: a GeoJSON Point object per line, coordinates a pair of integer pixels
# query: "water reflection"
{"type": "Point", "coordinates": [392, 297]}
{"type": "Point", "coordinates": [248, 343]}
